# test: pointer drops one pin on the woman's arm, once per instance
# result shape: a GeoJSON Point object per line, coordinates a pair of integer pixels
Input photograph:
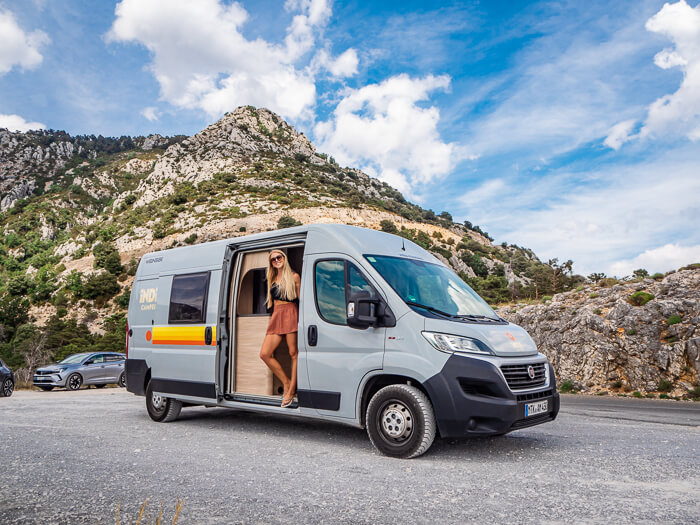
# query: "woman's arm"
{"type": "Point", "coordinates": [297, 283]}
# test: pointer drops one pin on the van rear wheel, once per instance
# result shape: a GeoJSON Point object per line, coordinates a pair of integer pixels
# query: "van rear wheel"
{"type": "Point", "coordinates": [160, 408]}
{"type": "Point", "coordinates": [400, 421]}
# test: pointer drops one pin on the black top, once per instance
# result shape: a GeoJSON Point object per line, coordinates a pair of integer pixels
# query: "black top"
{"type": "Point", "coordinates": [276, 294]}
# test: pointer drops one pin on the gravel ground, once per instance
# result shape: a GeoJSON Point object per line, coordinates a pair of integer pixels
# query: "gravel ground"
{"type": "Point", "coordinates": [74, 457]}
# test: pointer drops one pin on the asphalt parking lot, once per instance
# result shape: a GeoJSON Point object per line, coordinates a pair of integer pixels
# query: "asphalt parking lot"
{"type": "Point", "coordinates": [75, 457]}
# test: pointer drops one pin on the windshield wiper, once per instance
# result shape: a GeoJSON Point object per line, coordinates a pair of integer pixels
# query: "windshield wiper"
{"type": "Point", "coordinates": [429, 308]}
{"type": "Point", "coordinates": [479, 317]}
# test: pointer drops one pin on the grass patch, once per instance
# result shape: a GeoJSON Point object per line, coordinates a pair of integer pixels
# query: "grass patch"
{"type": "Point", "coordinates": [594, 295]}
{"type": "Point", "coordinates": [674, 319]}
{"type": "Point", "coordinates": [640, 298]}
{"type": "Point", "coordinates": [631, 331]}
{"type": "Point", "coordinates": [664, 385]}
{"type": "Point", "coordinates": [637, 394]}
{"type": "Point", "coordinates": [567, 387]}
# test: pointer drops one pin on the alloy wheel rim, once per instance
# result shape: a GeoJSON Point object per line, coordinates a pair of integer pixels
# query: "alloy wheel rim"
{"type": "Point", "coordinates": [8, 387]}
{"type": "Point", "coordinates": [74, 382]}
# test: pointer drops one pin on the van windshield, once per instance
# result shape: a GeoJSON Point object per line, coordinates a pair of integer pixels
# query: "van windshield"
{"type": "Point", "coordinates": [431, 286]}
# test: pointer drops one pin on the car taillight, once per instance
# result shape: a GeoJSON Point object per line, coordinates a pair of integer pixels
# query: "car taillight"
{"type": "Point", "coordinates": [127, 340]}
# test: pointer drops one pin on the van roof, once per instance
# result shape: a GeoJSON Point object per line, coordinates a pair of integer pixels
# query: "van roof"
{"type": "Point", "coordinates": [321, 238]}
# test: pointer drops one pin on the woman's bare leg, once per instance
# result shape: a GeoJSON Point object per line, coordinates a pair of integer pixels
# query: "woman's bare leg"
{"type": "Point", "coordinates": [270, 343]}
{"type": "Point", "coordinates": [294, 354]}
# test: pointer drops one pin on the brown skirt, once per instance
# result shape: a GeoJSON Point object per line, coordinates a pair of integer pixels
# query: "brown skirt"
{"type": "Point", "coordinates": [284, 320]}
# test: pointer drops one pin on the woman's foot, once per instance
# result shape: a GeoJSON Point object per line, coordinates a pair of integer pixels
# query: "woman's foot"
{"type": "Point", "coordinates": [287, 399]}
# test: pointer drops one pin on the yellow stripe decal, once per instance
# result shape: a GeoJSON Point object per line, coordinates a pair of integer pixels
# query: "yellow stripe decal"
{"type": "Point", "coordinates": [182, 335]}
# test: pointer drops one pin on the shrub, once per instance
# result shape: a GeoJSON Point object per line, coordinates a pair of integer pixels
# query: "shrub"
{"type": "Point", "coordinates": [674, 319]}
{"type": "Point", "coordinates": [567, 386]}
{"type": "Point", "coordinates": [18, 285]}
{"type": "Point", "coordinates": [388, 226]}
{"type": "Point", "coordinates": [242, 229]}
{"type": "Point", "coordinates": [594, 295]}
{"type": "Point", "coordinates": [694, 392]}
{"type": "Point", "coordinates": [631, 331]}
{"type": "Point", "coordinates": [191, 238]}
{"type": "Point", "coordinates": [664, 396]}
{"type": "Point", "coordinates": [100, 285]}
{"type": "Point", "coordinates": [616, 384]}
{"type": "Point", "coordinates": [160, 230]}
{"type": "Point", "coordinates": [637, 394]}
{"type": "Point", "coordinates": [287, 222]}
{"type": "Point", "coordinates": [546, 298]}
{"type": "Point", "coordinates": [107, 257]}
{"type": "Point", "coordinates": [657, 276]}
{"type": "Point", "coordinates": [664, 385]}
{"type": "Point", "coordinates": [640, 298]}
{"type": "Point", "coordinates": [123, 299]}
{"type": "Point", "coordinates": [597, 311]}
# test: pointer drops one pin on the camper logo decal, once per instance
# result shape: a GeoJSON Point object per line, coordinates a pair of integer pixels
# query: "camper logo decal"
{"type": "Point", "coordinates": [147, 298]}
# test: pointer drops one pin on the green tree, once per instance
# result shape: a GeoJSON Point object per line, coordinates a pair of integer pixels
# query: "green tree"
{"type": "Point", "coordinates": [388, 226]}
{"type": "Point", "coordinates": [641, 273]}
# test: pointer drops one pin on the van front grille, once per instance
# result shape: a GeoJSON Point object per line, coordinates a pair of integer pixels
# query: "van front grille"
{"type": "Point", "coordinates": [518, 376]}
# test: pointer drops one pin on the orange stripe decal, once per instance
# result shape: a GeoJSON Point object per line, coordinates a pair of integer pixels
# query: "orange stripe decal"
{"type": "Point", "coordinates": [182, 335]}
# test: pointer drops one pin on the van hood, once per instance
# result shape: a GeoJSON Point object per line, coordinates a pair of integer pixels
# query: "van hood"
{"type": "Point", "coordinates": [506, 340]}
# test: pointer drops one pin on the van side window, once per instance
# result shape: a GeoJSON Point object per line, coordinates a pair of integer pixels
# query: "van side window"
{"type": "Point", "coordinates": [335, 280]}
{"type": "Point", "coordinates": [188, 298]}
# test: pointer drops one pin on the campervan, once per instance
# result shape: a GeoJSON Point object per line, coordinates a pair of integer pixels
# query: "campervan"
{"type": "Point", "coordinates": [390, 339]}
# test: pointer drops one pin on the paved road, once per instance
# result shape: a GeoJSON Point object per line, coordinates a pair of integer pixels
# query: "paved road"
{"type": "Point", "coordinates": [70, 457]}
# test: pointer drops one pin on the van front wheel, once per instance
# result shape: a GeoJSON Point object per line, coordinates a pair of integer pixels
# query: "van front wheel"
{"type": "Point", "coordinates": [161, 409]}
{"type": "Point", "coordinates": [400, 421]}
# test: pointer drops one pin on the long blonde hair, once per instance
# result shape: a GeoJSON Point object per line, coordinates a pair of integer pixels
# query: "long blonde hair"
{"type": "Point", "coordinates": [285, 283]}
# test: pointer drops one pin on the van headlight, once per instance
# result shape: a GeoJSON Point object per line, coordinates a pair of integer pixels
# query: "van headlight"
{"type": "Point", "coordinates": [452, 344]}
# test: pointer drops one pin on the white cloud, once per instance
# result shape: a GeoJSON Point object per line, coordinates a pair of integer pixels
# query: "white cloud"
{"type": "Point", "coordinates": [487, 190]}
{"type": "Point", "coordinates": [680, 111]}
{"type": "Point", "coordinates": [382, 128]}
{"type": "Point", "coordinates": [597, 219]}
{"type": "Point", "coordinates": [18, 48]}
{"type": "Point", "coordinates": [201, 59]}
{"type": "Point", "coordinates": [619, 134]}
{"type": "Point", "coordinates": [17, 123]}
{"type": "Point", "coordinates": [149, 113]}
{"type": "Point", "coordinates": [677, 113]}
{"type": "Point", "coordinates": [662, 259]}
{"type": "Point", "coordinates": [345, 65]}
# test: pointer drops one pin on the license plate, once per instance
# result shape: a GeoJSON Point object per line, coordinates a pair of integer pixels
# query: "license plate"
{"type": "Point", "coordinates": [532, 409]}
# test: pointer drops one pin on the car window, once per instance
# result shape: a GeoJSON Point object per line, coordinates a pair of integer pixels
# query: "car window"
{"type": "Point", "coordinates": [331, 288]}
{"type": "Point", "coordinates": [98, 358]}
{"type": "Point", "coordinates": [330, 291]}
{"type": "Point", "coordinates": [188, 297]}
{"type": "Point", "coordinates": [110, 358]}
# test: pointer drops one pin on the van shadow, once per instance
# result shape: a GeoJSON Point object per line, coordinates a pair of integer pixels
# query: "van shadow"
{"type": "Point", "coordinates": [494, 448]}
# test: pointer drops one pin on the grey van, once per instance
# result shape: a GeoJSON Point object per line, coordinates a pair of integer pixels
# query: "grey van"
{"type": "Point", "coordinates": [390, 339]}
{"type": "Point", "coordinates": [89, 368]}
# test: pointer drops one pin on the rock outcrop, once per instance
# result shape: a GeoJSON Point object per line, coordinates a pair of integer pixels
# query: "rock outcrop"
{"type": "Point", "coordinates": [598, 340]}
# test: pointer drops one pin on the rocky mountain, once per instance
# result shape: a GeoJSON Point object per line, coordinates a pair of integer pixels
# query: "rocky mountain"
{"type": "Point", "coordinates": [78, 212]}
{"type": "Point", "coordinates": [639, 336]}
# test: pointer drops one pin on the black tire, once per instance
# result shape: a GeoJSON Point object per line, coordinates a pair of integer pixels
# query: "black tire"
{"type": "Point", "coordinates": [122, 380]}
{"type": "Point", "coordinates": [161, 409]}
{"type": "Point", "coordinates": [100, 386]}
{"type": "Point", "coordinates": [8, 386]}
{"type": "Point", "coordinates": [46, 388]}
{"type": "Point", "coordinates": [74, 382]}
{"type": "Point", "coordinates": [400, 421]}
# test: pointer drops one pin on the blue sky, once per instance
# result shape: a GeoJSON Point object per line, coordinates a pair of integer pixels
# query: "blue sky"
{"type": "Point", "coordinates": [572, 128]}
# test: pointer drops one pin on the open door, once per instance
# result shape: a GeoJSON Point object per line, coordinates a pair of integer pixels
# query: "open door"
{"type": "Point", "coordinates": [251, 379]}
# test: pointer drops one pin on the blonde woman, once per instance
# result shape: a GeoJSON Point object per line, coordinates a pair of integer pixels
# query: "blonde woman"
{"type": "Point", "coordinates": [283, 295]}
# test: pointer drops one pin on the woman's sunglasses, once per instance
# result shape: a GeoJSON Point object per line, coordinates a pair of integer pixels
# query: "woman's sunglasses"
{"type": "Point", "coordinates": [276, 258]}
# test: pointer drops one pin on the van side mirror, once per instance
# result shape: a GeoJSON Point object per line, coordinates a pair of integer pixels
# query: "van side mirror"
{"type": "Point", "coordinates": [364, 311]}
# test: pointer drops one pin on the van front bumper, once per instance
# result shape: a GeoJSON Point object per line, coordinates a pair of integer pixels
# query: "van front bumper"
{"type": "Point", "coordinates": [471, 398]}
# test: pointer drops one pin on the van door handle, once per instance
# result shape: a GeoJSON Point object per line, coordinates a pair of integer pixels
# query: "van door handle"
{"type": "Point", "coordinates": [312, 339]}
{"type": "Point", "coordinates": [207, 335]}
